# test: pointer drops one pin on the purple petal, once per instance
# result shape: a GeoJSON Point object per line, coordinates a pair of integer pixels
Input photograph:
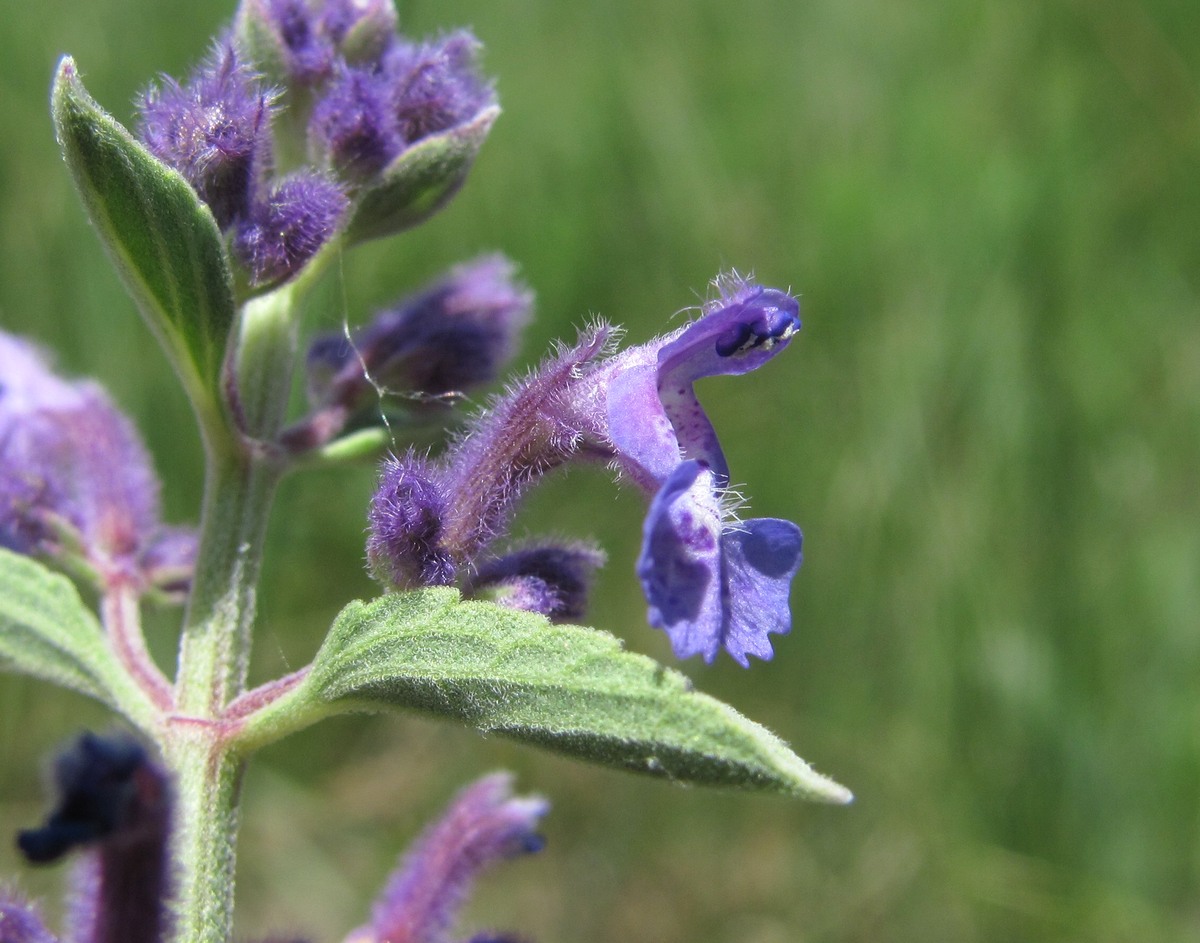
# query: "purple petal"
{"type": "Point", "coordinates": [307, 50]}
{"type": "Point", "coordinates": [436, 85]}
{"type": "Point", "coordinates": [712, 585]}
{"type": "Point", "coordinates": [354, 124]}
{"type": "Point", "coordinates": [69, 461]}
{"type": "Point", "coordinates": [20, 922]}
{"type": "Point", "coordinates": [485, 824]}
{"type": "Point", "coordinates": [680, 562]}
{"type": "Point", "coordinates": [761, 558]}
{"type": "Point", "coordinates": [737, 334]}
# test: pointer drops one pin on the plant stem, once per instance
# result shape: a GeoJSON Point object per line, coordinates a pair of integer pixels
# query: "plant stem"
{"type": "Point", "coordinates": [240, 478]}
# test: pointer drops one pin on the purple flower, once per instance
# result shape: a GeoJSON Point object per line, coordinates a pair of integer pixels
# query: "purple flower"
{"type": "Point", "coordinates": [20, 922]}
{"type": "Point", "coordinates": [114, 802]}
{"type": "Point", "coordinates": [450, 337]}
{"type": "Point", "coordinates": [284, 231]}
{"type": "Point", "coordinates": [407, 520]}
{"type": "Point", "coordinates": [485, 824]}
{"type": "Point", "coordinates": [215, 130]}
{"type": "Point", "coordinates": [307, 49]}
{"type": "Point", "coordinates": [75, 477]}
{"type": "Point", "coordinates": [711, 581]}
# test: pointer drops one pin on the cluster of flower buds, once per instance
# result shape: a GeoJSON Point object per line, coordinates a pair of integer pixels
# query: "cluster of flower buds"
{"type": "Point", "coordinates": [712, 581]}
{"type": "Point", "coordinates": [114, 804]}
{"type": "Point", "coordinates": [303, 119]}
{"type": "Point", "coordinates": [76, 483]}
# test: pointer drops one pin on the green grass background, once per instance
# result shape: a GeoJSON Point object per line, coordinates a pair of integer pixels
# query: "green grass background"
{"type": "Point", "coordinates": [988, 430]}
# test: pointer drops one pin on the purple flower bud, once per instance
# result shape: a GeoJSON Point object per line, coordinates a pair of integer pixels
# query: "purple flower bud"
{"type": "Point", "coordinates": [354, 124]}
{"type": "Point", "coordinates": [436, 85]}
{"type": "Point", "coordinates": [282, 233]}
{"type": "Point", "coordinates": [215, 130]}
{"type": "Point", "coordinates": [307, 50]}
{"type": "Point", "coordinates": [20, 922]}
{"type": "Point", "coordinates": [406, 520]}
{"type": "Point", "coordinates": [529, 431]}
{"type": "Point", "coordinates": [452, 336]}
{"type": "Point", "coordinates": [485, 824]}
{"type": "Point", "coordinates": [74, 475]}
{"type": "Point", "coordinates": [551, 579]}
{"type": "Point", "coordinates": [113, 800]}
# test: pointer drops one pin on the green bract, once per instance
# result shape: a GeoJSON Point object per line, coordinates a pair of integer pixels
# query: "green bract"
{"type": "Point", "coordinates": [419, 181]}
{"type": "Point", "coordinates": [568, 689]}
{"type": "Point", "coordinates": [162, 239]}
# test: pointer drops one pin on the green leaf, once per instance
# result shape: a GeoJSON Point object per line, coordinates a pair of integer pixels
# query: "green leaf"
{"type": "Point", "coordinates": [419, 181]}
{"type": "Point", "coordinates": [47, 632]}
{"type": "Point", "coordinates": [568, 689]}
{"type": "Point", "coordinates": [162, 239]}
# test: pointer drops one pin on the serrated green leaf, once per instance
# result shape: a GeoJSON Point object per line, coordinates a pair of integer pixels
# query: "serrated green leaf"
{"type": "Point", "coordinates": [162, 239]}
{"type": "Point", "coordinates": [47, 632]}
{"type": "Point", "coordinates": [568, 689]}
{"type": "Point", "coordinates": [420, 181]}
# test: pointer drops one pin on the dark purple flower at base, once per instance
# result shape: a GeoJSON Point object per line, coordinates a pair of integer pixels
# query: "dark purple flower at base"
{"type": "Point", "coordinates": [215, 130]}
{"type": "Point", "coordinates": [283, 232]}
{"type": "Point", "coordinates": [115, 803]}
{"type": "Point", "coordinates": [484, 825]}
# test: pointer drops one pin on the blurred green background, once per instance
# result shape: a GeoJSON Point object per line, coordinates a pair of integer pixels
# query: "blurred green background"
{"type": "Point", "coordinates": [988, 430]}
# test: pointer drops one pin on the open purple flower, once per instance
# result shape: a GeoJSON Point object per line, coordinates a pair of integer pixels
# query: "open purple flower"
{"type": "Point", "coordinates": [711, 581]}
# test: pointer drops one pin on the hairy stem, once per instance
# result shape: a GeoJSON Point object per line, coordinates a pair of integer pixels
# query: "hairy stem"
{"type": "Point", "coordinates": [240, 480]}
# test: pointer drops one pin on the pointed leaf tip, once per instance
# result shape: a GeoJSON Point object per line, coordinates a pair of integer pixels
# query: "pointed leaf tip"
{"type": "Point", "coordinates": [161, 238]}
